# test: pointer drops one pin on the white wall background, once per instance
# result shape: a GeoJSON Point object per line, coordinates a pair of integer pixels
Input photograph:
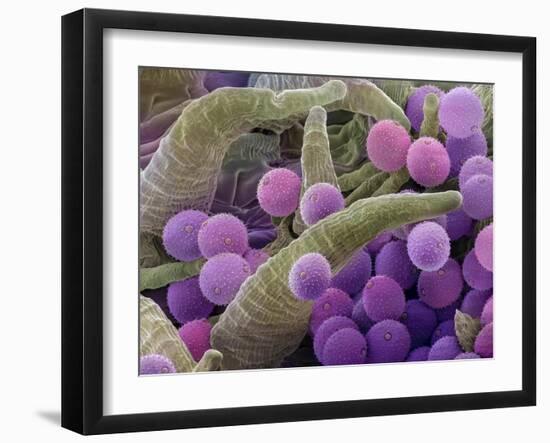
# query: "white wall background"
{"type": "Point", "coordinates": [30, 219]}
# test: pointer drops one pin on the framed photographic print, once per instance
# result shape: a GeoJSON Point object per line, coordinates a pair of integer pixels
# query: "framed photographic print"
{"type": "Point", "coordinates": [271, 221]}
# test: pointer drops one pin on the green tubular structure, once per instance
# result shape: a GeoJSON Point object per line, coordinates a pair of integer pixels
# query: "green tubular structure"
{"type": "Point", "coordinates": [317, 166]}
{"type": "Point", "coordinates": [351, 180]}
{"type": "Point", "coordinates": [430, 123]}
{"type": "Point", "coordinates": [265, 322]}
{"type": "Point", "coordinates": [367, 188]}
{"type": "Point", "coordinates": [183, 172]}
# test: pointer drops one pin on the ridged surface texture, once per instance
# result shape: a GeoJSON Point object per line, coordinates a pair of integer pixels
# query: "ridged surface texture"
{"type": "Point", "coordinates": [466, 329]}
{"type": "Point", "coordinates": [183, 172]}
{"type": "Point", "coordinates": [430, 124]}
{"type": "Point", "coordinates": [317, 166]}
{"type": "Point", "coordinates": [265, 322]}
{"type": "Point", "coordinates": [157, 335]}
{"type": "Point", "coordinates": [362, 97]}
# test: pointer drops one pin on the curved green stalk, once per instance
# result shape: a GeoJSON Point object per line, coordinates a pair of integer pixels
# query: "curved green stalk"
{"type": "Point", "coordinates": [317, 164]}
{"type": "Point", "coordinates": [183, 172]}
{"type": "Point", "coordinates": [430, 124]}
{"type": "Point", "coordinates": [347, 145]}
{"type": "Point", "coordinates": [363, 96]}
{"type": "Point", "coordinates": [351, 180]}
{"type": "Point", "coordinates": [393, 183]}
{"type": "Point", "coordinates": [210, 361]}
{"type": "Point", "coordinates": [160, 276]}
{"type": "Point", "coordinates": [157, 335]}
{"type": "Point", "coordinates": [367, 188]}
{"type": "Point", "coordinates": [265, 322]}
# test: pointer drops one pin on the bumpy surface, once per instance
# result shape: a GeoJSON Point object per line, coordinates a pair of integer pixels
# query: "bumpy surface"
{"type": "Point", "coordinates": [345, 347]}
{"type": "Point", "coordinates": [487, 312]}
{"type": "Point", "coordinates": [222, 233]}
{"type": "Point", "coordinates": [376, 244]}
{"type": "Point", "coordinates": [157, 335]}
{"type": "Point", "coordinates": [466, 329]}
{"type": "Point", "coordinates": [393, 261]}
{"type": "Point", "coordinates": [222, 276]}
{"type": "Point", "coordinates": [442, 287]}
{"type": "Point", "coordinates": [383, 299]}
{"type": "Point", "coordinates": [484, 341]}
{"type": "Point", "coordinates": [446, 348]}
{"type": "Point", "coordinates": [403, 232]}
{"type": "Point", "coordinates": [428, 162]}
{"type": "Point", "coordinates": [180, 235]}
{"type": "Point", "coordinates": [474, 301]}
{"type": "Point", "coordinates": [443, 329]}
{"type": "Point", "coordinates": [461, 112]}
{"type": "Point", "coordinates": [478, 197]}
{"type": "Point", "coordinates": [459, 224]}
{"type": "Point", "coordinates": [186, 301]}
{"type": "Point", "coordinates": [162, 275]}
{"type": "Point", "coordinates": [332, 302]}
{"type": "Point", "coordinates": [255, 258]}
{"type": "Point", "coordinates": [234, 137]}
{"type": "Point", "coordinates": [484, 247]}
{"type": "Point", "coordinates": [419, 354]}
{"type": "Point", "coordinates": [428, 246]}
{"type": "Point", "coordinates": [415, 104]}
{"type": "Point", "coordinates": [279, 192]}
{"type": "Point", "coordinates": [354, 274]}
{"type": "Point", "coordinates": [183, 172]}
{"type": "Point", "coordinates": [476, 275]}
{"type": "Point", "coordinates": [461, 149]}
{"type": "Point", "coordinates": [478, 164]}
{"type": "Point", "coordinates": [310, 276]}
{"type": "Point", "coordinates": [265, 322]}
{"type": "Point", "coordinates": [360, 317]}
{"type": "Point", "coordinates": [327, 328]}
{"type": "Point", "coordinates": [387, 145]}
{"type": "Point", "coordinates": [485, 94]}
{"type": "Point", "coordinates": [196, 336]}
{"type": "Point", "coordinates": [319, 201]}
{"type": "Point", "coordinates": [316, 160]}
{"type": "Point", "coordinates": [430, 124]}
{"type": "Point", "coordinates": [420, 320]}
{"type": "Point", "coordinates": [155, 364]}
{"type": "Point", "coordinates": [388, 341]}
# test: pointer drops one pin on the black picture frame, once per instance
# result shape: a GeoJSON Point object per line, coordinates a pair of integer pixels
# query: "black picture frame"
{"type": "Point", "coordinates": [82, 218]}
